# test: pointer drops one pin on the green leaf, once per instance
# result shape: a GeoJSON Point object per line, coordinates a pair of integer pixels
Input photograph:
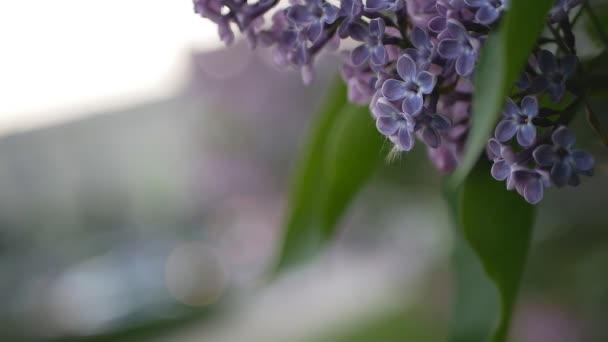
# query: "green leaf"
{"type": "Point", "coordinates": [501, 61]}
{"type": "Point", "coordinates": [343, 152]}
{"type": "Point", "coordinates": [498, 225]}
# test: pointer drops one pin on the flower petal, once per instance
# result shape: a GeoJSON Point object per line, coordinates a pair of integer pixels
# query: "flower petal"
{"type": "Point", "coordinates": [437, 24]}
{"type": "Point", "coordinates": [533, 191]}
{"type": "Point", "coordinates": [545, 155]}
{"type": "Point", "coordinates": [379, 55]}
{"type": "Point", "coordinates": [560, 173]}
{"type": "Point", "coordinates": [449, 48]}
{"type": "Point", "coordinates": [501, 170]}
{"type": "Point", "coordinates": [465, 63]}
{"type": "Point", "coordinates": [406, 68]}
{"type": "Point", "coordinates": [440, 122]}
{"type": "Point", "coordinates": [529, 106]}
{"type": "Point", "coordinates": [526, 134]}
{"type": "Point", "coordinates": [359, 55]}
{"type": "Point", "coordinates": [385, 108]}
{"type": "Point", "coordinates": [426, 82]}
{"type": "Point", "coordinates": [582, 161]}
{"type": "Point", "coordinates": [495, 147]}
{"type": "Point", "coordinates": [387, 125]}
{"type": "Point", "coordinates": [563, 137]}
{"type": "Point", "coordinates": [394, 90]}
{"type": "Point", "coordinates": [431, 137]}
{"type": "Point", "coordinates": [487, 14]}
{"type": "Point", "coordinates": [405, 139]}
{"type": "Point", "coordinates": [376, 28]}
{"type": "Point", "coordinates": [358, 32]}
{"type": "Point", "coordinates": [412, 104]}
{"type": "Point", "coordinates": [511, 110]}
{"type": "Point", "coordinates": [505, 130]}
{"type": "Point", "coordinates": [547, 62]}
{"type": "Point", "coordinates": [419, 38]}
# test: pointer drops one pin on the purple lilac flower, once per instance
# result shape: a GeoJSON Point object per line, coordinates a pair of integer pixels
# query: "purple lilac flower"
{"type": "Point", "coordinates": [394, 124]}
{"type": "Point", "coordinates": [350, 12]}
{"type": "Point", "coordinates": [313, 15]}
{"type": "Point", "coordinates": [446, 9]}
{"type": "Point", "coordinates": [458, 45]}
{"type": "Point", "coordinates": [412, 87]}
{"type": "Point", "coordinates": [372, 47]}
{"type": "Point", "coordinates": [554, 74]}
{"type": "Point", "coordinates": [562, 8]}
{"type": "Point", "coordinates": [424, 48]}
{"type": "Point", "coordinates": [530, 183]}
{"type": "Point", "coordinates": [504, 160]}
{"type": "Point", "coordinates": [431, 126]}
{"type": "Point", "coordinates": [488, 10]}
{"type": "Point", "coordinates": [564, 162]}
{"type": "Point", "coordinates": [518, 121]}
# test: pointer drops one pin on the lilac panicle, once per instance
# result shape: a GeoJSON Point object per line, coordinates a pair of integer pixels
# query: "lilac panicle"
{"type": "Point", "coordinates": [413, 59]}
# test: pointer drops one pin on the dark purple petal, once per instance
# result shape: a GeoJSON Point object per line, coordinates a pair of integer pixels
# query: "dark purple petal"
{"type": "Point", "coordinates": [440, 122]}
{"type": "Point", "coordinates": [394, 90]}
{"type": "Point", "coordinates": [358, 32]}
{"type": "Point", "coordinates": [412, 104]}
{"type": "Point", "coordinates": [495, 148]}
{"type": "Point", "coordinates": [529, 106]}
{"type": "Point", "coordinates": [360, 55]}
{"type": "Point", "coordinates": [387, 125]}
{"type": "Point", "coordinates": [511, 110]}
{"type": "Point", "coordinates": [563, 137]}
{"type": "Point", "coordinates": [419, 38]}
{"type": "Point", "coordinates": [376, 28]}
{"type": "Point", "coordinates": [426, 82]}
{"type": "Point", "coordinates": [545, 155]}
{"type": "Point", "coordinates": [526, 134]}
{"type": "Point", "coordinates": [431, 137]}
{"type": "Point", "coordinates": [561, 173]}
{"type": "Point", "coordinates": [455, 29]}
{"type": "Point", "coordinates": [437, 24]}
{"type": "Point", "coordinates": [556, 92]}
{"type": "Point", "coordinates": [582, 161]}
{"type": "Point", "coordinates": [533, 191]}
{"type": "Point", "coordinates": [406, 68]}
{"type": "Point", "coordinates": [487, 14]}
{"type": "Point", "coordinates": [547, 62]}
{"type": "Point", "coordinates": [568, 65]}
{"type": "Point", "coordinates": [465, 64]}
{"type": "Point", "coordinates": [538, 85]}
{"type": "Point", "coordinates": [505, 130]}
{"type": "Point", "coordinates": [501, 170]}
{"type": "Point", "coordinates": [331, 12]}
{"type": "Point", "coordinates": [449, 48]}
{"type": "Point", "coordinates": [379, 55]}
{"type": "Point", "coordinates": [314, 31]}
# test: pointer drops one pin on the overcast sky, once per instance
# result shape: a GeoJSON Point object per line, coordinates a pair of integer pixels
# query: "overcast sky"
{"type": "Point", "coordinates": [63, 58]}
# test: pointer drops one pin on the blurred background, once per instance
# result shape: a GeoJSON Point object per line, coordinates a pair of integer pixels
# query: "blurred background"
{"type": "Point", "coordinates": [143, 176]}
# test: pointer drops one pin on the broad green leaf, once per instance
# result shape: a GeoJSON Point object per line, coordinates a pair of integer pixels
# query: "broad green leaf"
{"type": "Point", "coordinates": [302, 233]}
{"type": "Point", "coordinates": [498, 225]}
{"type": "Point", "coordinates": [475, 298]}
{"type": "Point", "coordinates": [502, 59]}
{"type": "Point", "coordinates": [344, 151]}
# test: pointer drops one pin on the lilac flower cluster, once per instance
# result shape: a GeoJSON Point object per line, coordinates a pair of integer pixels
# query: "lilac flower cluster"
{"type": "Point", "coordinates": [412, 62]}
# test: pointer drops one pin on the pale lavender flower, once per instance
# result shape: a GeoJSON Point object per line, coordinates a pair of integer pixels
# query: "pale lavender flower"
{"type": "Point", "coordinates": [564, 162]}
{"type": "Point", "coordinates": [518, 121]}
{"type": "Point", "coordinates": [424, 48]}
{"type": "Point", "coordinates": [430, 126]}
{"type": "Point", "coordinates": [313, 15]}
{"type": "Point", "coordinates": [372, 48]}
{"type": "Point", "coordinates": [530, 183]}
{"type": "Point", "coordinates": [412, 87]}
{"type": "Point", "coordinates": [350, 12]}
{"type": "Point", "coordinates": [394, 124]}
{"type": "Point", "coordinates": [456, 44]}
{"type": "Point", "coordinates": [488, 10]}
